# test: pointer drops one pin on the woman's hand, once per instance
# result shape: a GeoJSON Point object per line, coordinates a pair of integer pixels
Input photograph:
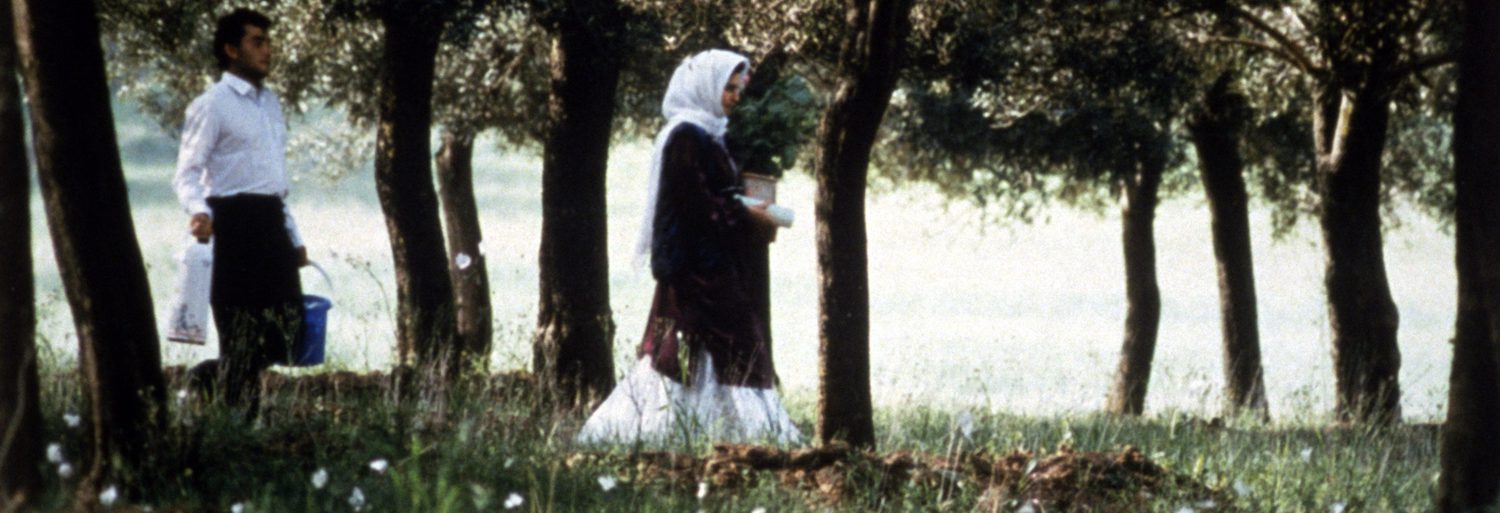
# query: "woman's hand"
{"type": "Point", "coordinates": [763, 222]}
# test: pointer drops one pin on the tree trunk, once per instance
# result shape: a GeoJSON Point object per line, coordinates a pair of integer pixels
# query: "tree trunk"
{"type": "Point", "coordinates": [21, 427]}
{"type": "Point", "coordinates": [1142, 296]}
{"type": "Point", "coordinates": [1470, 457]}
{"type": "Point", "coordinates": [88, 213]}
{"type": "Point", "coordinates": [573, 347]}
{"type": "Point", "coordinates": [1216, 129]}
{"type": "Point", "coordinates": [403, 178]}
{"type": "Point", "coordinates": [466, 261]}
{"type": "Point", "coordinates": [1350, 128]}
{"type": "Point", "coordinates": [873, 46]}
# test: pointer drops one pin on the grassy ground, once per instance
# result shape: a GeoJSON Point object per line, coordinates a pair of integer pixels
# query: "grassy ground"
{"type": "Point", "coordinates": [489, 448]}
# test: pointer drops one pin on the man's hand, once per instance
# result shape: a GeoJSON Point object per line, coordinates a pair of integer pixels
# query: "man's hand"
{"type": "Point", "coordinates": [302, 256]}
{"type": "Point", "coordinates": [201, 226]}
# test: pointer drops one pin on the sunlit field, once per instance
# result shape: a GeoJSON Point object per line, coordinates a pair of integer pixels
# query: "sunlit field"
{"type": "Point", "coordinates": [998, 316]}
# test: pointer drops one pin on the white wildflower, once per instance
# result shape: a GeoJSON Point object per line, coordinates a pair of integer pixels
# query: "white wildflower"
{"type": "Point", "coordinates": [72, 419]}
{"type": "Point", "coordinates": [1307, 454]}
{"type": "Point", "coordinates": [357, 499]}
{"type": "Point", "coordinates": [758, 510]}
{"type": "Point", "coordinates": [109, 496]}
{"type": "Point", "coordinates": [702, 490]}
{"type": "Point", "coordinates": [65, 470]}
{"type": "Point", "coordinates": [320, 479]}
{"type": "Point", "coordinates": [54, 453]}
{"type": "Point", "coordinates": [607, 483]}
{"type": "Point", "coordinates": [1026, 508]}
{"type": "Point", "coordinates": [238, 507]}
{"type": "Point", "coordinates": [513, 501]}
{"type": "Point", "coordinates": [1337, 507]}
{"type": "Point", "coordinates": [509, 462]}
{"type": "Point", "coordinates": [380, 465]}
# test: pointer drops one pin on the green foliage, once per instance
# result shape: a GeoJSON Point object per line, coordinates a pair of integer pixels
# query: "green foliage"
{"type": "Point", "coordinates": [1021, 104]}
{"type": "Point", "coordinates": [998, 91]}
{"type": "Point", "coordinates": [158, 54]}
{"type": "Point", "coordinates": [663, 32]}
{"type": "Point", "coordinates": [767, 133]}
{"type": "Point", "coordinates": [1279, 158]}
{"type": "Point", "coordinates": [976, 69]}
{"type": "Point", "coordinates": [1286, 49]}
{"type": "Point", "coordinates": [330, 148]}
{"type": "Point", "coordinates": [493, 72]}
{"type": "Point", "coordinates": [1419, 156]}
{"type": "Point", "coordinates": [471, 452]}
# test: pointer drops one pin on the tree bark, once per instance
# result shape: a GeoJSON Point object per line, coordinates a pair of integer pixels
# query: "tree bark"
{"type": "Point", "coordinates": [403, 179]}
{"type": "Point", "coordinates": [1470, 479]}
{"type": "Point", "coordinates": [869, 63]}
{"type": "Point", "coordinates": [1216, 129]}
{"type": "Point", "coordinates": [20, 410]}
{"type": "Point", "coordinates": [573, 346]}
{"type": "Point", "coordinates": [1142, 295]}
{"type": "Point", "coordinates": [88, 213]}
{"type": "Point", "coordinates": [1350, 128]}
{"type": "Point", "coordinates": [466, 260]}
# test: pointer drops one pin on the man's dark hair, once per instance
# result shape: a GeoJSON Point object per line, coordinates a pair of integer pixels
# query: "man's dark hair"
{"type": "Point", "coordinates": [231, 29]}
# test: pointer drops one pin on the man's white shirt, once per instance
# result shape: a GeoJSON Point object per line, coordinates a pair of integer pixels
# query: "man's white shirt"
{"type": "Point", "coordinates": [233, 142]}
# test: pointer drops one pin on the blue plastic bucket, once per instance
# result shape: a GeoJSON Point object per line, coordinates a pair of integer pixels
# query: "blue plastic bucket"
{"type": "Point", "coordinates": [309, 350]}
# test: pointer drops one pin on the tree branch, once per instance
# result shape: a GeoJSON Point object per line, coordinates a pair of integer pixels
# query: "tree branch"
{"type": "Point", "coordinates": [1278, 51]}
{"type": "Point", "coordinates": [1420, 65]}
{"type": "Point", "coordinates": [1290, 50]}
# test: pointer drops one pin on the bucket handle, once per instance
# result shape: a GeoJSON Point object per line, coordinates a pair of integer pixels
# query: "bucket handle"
{"type": "Point", "coordinates": [326, 280]}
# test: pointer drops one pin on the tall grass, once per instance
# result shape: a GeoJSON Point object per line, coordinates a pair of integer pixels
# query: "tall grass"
{"type": "Point", "coordinates": [489, 442]}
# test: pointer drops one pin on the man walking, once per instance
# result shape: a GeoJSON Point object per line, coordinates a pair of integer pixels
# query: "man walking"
{"type": "Point", "coordinates": [231, 178]}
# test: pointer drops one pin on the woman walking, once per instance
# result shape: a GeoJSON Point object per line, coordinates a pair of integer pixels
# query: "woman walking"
{"type": "Point", "coordinates": [704, 368]}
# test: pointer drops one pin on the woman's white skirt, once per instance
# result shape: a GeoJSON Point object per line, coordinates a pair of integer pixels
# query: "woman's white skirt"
{"type": "Point", "coordinates": [647, 407]}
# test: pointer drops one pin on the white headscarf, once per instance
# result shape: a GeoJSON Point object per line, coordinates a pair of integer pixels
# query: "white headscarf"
{"type": "Point", "coordinates": [695, 95]}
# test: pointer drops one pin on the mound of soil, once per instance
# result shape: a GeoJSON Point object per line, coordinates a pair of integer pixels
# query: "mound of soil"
{"type": "Point", "coordinates": [1067, 480]}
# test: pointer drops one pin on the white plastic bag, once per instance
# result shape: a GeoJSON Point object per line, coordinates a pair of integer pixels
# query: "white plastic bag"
{"type": "Point", "coordinates": [189, 317]}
